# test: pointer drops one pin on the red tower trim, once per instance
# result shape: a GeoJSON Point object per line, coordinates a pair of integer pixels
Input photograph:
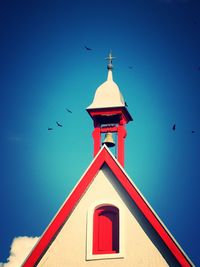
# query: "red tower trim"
{"type": "Point", "coordinates": [110, 120]}
{"type": "Point", "coordinates": [96, 134]}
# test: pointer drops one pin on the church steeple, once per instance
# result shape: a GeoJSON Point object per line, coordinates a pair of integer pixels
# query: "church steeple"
{"type": "Point", "coordinates": [109, 113]}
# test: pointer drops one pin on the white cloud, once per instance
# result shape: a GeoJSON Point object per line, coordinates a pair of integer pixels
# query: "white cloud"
{"type": "Point", "coordinates": [20, 248]}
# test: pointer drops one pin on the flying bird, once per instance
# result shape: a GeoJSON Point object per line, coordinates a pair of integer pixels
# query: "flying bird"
{"type": "Point", "coordinates": [60, 125]}
{"type": "Point", "coordinates": [174, 127]}
{"type": "Point", "coordinates": [87, 48]}
{"type": "Point", "coordinates": [50, 129]}
{"type": "Point", "coordinates": [68, 110]}
{"type": "Point", "coordinates": [193, 131]}
{"type": "Point", "coordinates": [130, 67]}
{"type": "Point", "coordinates": [126, 104]}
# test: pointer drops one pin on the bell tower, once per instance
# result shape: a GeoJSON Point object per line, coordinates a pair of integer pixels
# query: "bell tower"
{"type": "Point", "coordinates": [110, 115]}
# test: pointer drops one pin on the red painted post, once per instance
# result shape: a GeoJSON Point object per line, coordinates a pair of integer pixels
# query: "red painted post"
{"type": "Point", "coordinates": [96, 134]}
{"type": "Point", "coordinates": [121, 137]}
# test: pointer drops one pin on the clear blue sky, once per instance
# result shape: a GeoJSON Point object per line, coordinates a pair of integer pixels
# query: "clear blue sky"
{"type": "Point", "coordinates": [45, 69]}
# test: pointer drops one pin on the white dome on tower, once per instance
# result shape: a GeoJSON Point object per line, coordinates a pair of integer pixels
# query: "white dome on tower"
{"type": "Point", "coordinates": [107, 95]}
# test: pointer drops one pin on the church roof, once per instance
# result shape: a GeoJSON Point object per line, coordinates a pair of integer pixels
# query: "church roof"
{"type": "Point", "coordinates": [104, 157]}
{"type": "Point", "coordinates": [107, 95]}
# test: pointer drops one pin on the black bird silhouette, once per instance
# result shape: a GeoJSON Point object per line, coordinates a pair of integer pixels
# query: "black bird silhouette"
{"type": "Point", "coordinates": [68, 110]}
{"type": "Point", "coordinates": [126, 104]}
{"type": "Point", "coordinates": [193, 131]}
{"type": "Point", "coordinates": [60, 125]}
{"type": "Point", "coordinates": [87, 48]}
{"type": "Point", "coordinates": [174, 127]}
{"type": "Point", "coordinates": [50, 129]}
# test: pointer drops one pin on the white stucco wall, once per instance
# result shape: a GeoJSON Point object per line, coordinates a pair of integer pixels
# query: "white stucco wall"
{"type": "Point", "coordinates": [70, 246]}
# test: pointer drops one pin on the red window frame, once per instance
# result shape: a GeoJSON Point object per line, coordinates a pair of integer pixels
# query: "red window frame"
{"type": "Point", "coordinates": [106, 230]}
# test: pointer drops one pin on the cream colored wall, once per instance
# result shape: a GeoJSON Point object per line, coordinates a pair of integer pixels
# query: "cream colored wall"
{"type": "Point", "coordinates": [69, 248]}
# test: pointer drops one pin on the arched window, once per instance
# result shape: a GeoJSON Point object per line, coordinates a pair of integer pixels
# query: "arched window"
{"type": "Point", "coordinates": [106, 230]}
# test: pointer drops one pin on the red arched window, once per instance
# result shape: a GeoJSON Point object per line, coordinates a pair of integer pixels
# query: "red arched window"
{"type": "Point", "coordinates": [106, 230]}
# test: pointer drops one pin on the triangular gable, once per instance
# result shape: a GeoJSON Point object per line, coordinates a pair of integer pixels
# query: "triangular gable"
{"type": "Point", "coordinates": [104, 156]}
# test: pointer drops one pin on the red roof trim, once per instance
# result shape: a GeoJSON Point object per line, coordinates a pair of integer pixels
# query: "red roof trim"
{"type": "Point", "coordinates": [103, 157]}
{"type": "Point", "coordinates": [110, 111]}
{"type": "Point", "coordinates": [147, 212]}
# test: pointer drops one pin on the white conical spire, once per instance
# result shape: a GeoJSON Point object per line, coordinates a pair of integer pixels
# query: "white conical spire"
{"type": "Point", "coordinates": [108, 93]}
{"type": "Point", "coordinates": [110, 76]}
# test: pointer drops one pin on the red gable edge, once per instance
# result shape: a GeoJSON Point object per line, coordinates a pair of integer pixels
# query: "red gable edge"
{"type": "Point", "coordinates": [104, 156]}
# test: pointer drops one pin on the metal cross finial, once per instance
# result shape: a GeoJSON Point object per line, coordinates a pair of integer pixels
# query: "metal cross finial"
{"type": "Point", "coordinates": [110, 58]}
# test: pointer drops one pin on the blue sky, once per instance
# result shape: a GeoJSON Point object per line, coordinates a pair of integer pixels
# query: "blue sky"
{"type": "Point", "coordinates": [45, 69]}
